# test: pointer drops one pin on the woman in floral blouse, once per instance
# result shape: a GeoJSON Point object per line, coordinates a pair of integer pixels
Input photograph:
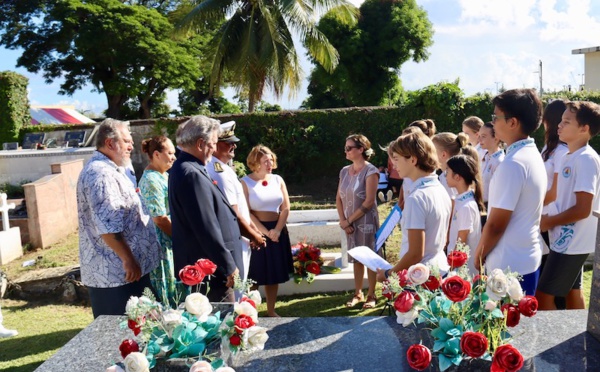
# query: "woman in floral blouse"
{"type": "Point", "coordinates": [153, 189]}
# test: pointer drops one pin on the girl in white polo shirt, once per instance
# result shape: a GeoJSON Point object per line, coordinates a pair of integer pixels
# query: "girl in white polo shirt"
{"type": "Point", "coordinates": [493, 157]}
{"type": "Point", "coordinates": [447, 145]}
{"type": "Point", "coordinates": [427, 207]}
{"type": "Point", "coordinates": [463, 175]}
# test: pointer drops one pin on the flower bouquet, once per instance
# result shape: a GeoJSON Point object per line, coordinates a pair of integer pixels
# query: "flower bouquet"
{"type": "Point", "coordinates": [308, 263]}
{"type": "Point", "coordinates": [468, 317]}
{"type": "Point", "coordinates": [191, 331]}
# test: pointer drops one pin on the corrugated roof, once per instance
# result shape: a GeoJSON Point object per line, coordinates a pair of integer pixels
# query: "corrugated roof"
{"type": "Point", "coordinates": [57, 115]}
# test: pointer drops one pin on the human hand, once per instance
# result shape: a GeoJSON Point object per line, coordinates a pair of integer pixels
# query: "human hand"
{"type": "Point", "coordinates": [349, 230]}
{"type": "Point", "coordinates": [133, 272]}
{"type": "Point", "coordinates": [231, 278]}
{"type": "Point", "coordinates": [479, 260]}
{"type": "Point", "coordinates": [545, 223]}
{"type": "Point", "coordinates": [274, 234]}
{"type": "Point", "coordinates": [258, 240]}
{"type": "Point", "coordinates": [381, 275]}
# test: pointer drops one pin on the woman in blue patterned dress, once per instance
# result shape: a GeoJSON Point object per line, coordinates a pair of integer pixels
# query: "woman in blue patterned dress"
{"type": "Point", "coordinates": [153, 189]}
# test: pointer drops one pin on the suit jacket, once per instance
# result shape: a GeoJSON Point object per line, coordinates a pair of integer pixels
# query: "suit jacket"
{"type": "Point", "coordinates": [203, 222]}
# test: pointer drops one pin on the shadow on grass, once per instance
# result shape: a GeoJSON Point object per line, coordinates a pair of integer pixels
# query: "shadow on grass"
{"type": "Point", "coordinates": [19, 347]}
{"type": "Point", "coordinates": [25, 367]}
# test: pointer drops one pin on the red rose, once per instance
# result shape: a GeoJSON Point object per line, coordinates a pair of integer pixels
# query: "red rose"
{"type": "Point", "coordinates": [314, 254]}
{"type": "Point", "coordinates": [403, 275]}
{"type": "Point", "coordinates": [191, 275]}
{"type": "Point", "coordinates": [206, 266]}
{"type": "Point", "coordinates": [419, 357]}
{"type": "Point", "coordinates": [432, 283]}
{"type": "Point", "coordinates": [528, 306]}
{"type": "Point", "coordinates": [404, 302]}
{"type": "Point", "coordinates": [127, 347]}
{"type": "Point", "coordinates": [474, 344]}
{"type": "Point", "coordinates": [248, 300]}
{"type": "Point", "coordinates": [456, 288]}
{"type": "Point", "coordinates": [507, 358]}
{"type": "Point", "coordinates": [136, 327]}
{"type": "Point", "coordinates": [511, 314]}
{"type": "Point", "coordinates": [302, 256]}
{"type": "Point", "coordinates": [457, 259]}
{"type": "Point", "coordinates": [314, 268]}
{"type": "Point", "coordinates": [386, 292]}
{"type": "Point", "coordinates": [243, 322]}
{"type": "Point", "coordinates": [235, 340]}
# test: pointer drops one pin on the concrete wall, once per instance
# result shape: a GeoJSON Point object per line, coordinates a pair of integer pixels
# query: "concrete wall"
{"type": "Point", "coordinates": [592, 71]}
{"type": "Point", "coordinates": [52, 204]}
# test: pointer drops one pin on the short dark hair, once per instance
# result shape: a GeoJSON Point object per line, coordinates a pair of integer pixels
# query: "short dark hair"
{"type": "Point", "coordinates": [522, 104]}
{"type": "Point", "coordinates": [586, 113]}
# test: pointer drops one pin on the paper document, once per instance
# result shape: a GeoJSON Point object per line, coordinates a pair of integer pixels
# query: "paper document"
{"type": "Point", "coordinates": [370, 259]}
{"type": "Point", "coordinates": [387, 227]}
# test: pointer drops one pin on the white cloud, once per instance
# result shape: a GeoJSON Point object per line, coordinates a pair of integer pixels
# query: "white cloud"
{"type": "Point", "coordinates": [571, 24]}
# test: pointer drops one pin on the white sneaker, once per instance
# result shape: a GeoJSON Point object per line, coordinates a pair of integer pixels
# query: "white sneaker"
{"type": "Point", "coordinates": [4, 333]}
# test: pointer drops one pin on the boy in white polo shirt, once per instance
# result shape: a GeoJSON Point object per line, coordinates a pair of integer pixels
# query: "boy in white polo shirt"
{"type": "Point", "coordinates": [511, 236]}
{"type": "Point", "coordinates": [572, 226]}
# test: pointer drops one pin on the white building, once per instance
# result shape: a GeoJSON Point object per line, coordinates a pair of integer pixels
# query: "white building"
{"type": "Point", "coordinates": [592, 67]}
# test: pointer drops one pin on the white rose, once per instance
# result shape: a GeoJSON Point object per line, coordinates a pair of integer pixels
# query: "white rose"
{"type": "Point", "coordinates": [245, 308]}
{"type": "Point", "coordinates": [497, 285]}
{"type": "Point", "coordinates": [255, 296]}
{"type": "Point", "coordinates": [514, 289]}
{"type": "Point", "coordinates": [199, 305]}
{"type": "Point", "coordinates": [418, 273]}
{"type": "Point", "coordinates": [407, 318]}
{"type": "Point", "coordinates": [255, 337]}
{"type": "Point", "coordinates": [132, 303]}
{"type": "Point", "coordinates": [170, 320]}
{"type": "Point", "coordinates": [225, 369]}
{"type": "Point", "coordinates": [136, 362]}
{"type": "Point", "coordinates": [490, 305]}
{"type": "Point", "coordinates": [201, 366]}
{"type": "Point", "coordinates": [114, 368]}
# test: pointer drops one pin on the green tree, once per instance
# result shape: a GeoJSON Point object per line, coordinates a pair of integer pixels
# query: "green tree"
{"type": "Point", "coordinates": [254, 48]}
{"type": "Point", "coordinates": [388, 34]}
{"type": "Point", "coordinates": [124, 49]}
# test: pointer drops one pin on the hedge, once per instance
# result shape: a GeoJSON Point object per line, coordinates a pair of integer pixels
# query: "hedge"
{"type": "Point", "coordinates": [14, 105]}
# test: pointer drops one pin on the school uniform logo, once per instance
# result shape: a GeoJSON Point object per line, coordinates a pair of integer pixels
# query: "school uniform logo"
{"type": "Point", "coordinates": [565, 235]}
{"type": "Point", "coordinates": [566, 172]}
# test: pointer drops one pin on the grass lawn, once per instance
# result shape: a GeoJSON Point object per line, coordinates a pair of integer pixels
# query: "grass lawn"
{"type": "Point", "coordinates": [45, 327]}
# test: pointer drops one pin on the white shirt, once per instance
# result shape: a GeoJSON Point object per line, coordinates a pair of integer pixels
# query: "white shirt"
{"type": "Point", "coordinates": [577, 172]}
{"type": "Point", "coordinates": [231, 186]}
{"type": "Point", "coordinates": [466, 216]}
{"type": "Point", "coordinates": [481, 152]}
{"type": "Point", "coordinates": [407, 184]}
{"type": "Point", "coordinates": [518, 185]}
{"type": "Point", "coordinates": [552, 165]}
{"type": "Point", "coordinates": [488, 167]}
{"type": "Point", "coordinates": [428, 208]}
{"type": "Point", "coordinates": [452, 192]}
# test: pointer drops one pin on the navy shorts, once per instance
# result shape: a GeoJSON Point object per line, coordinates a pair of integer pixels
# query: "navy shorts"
{"type": "Point", "coordinates": [562, 272]}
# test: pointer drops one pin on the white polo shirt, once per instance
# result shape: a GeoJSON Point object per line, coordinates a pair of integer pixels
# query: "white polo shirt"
{"type": "Point", "coordinates": [577, 172]}
{"type": "Point", "coordinates": [518, 185]}
{"type": "Point", "coordinates": [552, 165]}
{"type": "Point", "coordinates": [466, 216]}
{"type": "Point", "coordinates": [488, 167]}
{"type": "Point", "coordinates": [443, 178]}
{"type": "Point", "coordinates": [428, 208]}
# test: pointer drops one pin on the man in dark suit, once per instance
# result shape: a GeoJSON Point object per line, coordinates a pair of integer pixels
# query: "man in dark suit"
{"type": "Point", "coordinates": [204, 224]}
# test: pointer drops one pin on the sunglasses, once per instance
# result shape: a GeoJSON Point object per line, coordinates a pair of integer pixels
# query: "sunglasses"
{"type": "Point", "coordinates": [349, 148]}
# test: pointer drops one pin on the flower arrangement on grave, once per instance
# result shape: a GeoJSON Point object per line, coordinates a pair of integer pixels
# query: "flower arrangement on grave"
{"type": "Point", "coordinates": [308, 263]}
{"type": "Point", "coordinates": [468, 317]}
{"type": "Point", "coordinates": [192, 330]}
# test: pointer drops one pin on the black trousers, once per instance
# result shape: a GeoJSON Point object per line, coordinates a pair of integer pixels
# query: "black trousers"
{"type": "Point", "coordinates": [112, 301]}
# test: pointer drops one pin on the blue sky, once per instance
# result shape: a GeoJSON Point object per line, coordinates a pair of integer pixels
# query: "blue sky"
{"type": "Point", "coordinates": [485, 44]}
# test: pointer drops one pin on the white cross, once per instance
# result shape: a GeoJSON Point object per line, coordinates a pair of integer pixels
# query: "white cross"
{"type": "Point", "coordinates": [4, 208]}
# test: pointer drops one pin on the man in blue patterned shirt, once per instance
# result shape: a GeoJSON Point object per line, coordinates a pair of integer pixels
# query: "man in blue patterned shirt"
{"type": "Point", "coordinates": [118, 246]}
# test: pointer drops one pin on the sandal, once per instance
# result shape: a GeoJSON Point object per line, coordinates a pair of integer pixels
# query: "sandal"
{"type": "Point", "coordinates": [354, 300]}
{"type": "Point", "coordinates": [370, 303]}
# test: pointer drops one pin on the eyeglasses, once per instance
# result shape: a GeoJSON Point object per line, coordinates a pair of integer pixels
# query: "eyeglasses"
{"type": "Point", "coordinates": [496, 117]}
{"type": "Point", "coordinates": [349, 148]}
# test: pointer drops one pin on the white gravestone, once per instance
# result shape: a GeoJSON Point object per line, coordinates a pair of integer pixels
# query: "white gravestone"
{"type": "Point", "coordinates": [10, 238]}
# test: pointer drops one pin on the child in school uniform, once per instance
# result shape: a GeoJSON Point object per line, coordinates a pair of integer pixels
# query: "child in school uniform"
{"type": "Point", "coordinates": [494, 155]}
{"type": "Point", "coordinates": [572, 226]}
{"type": "Point", "coordinates": [511, 236]}
{"type": "Point", "coordinates": [447, 145]}
{"type": "Point", "coordinates": [465, 225]}
{"type": "Point", "coordinates": [427, 208]}
{"type": "Point", "coordinates": [471, 126]}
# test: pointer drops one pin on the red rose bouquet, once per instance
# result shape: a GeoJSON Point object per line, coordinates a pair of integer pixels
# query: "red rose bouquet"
{"type": "Point", "coordinates": [469, 317]}
{"type": "Point", "coordinates": [308, 263]}
{"type": "Point", "coordinates": [162, 332]}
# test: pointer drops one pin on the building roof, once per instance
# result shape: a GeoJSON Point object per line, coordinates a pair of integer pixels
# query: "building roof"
{"type": "Point", "coordinates": [57, 115]}
{"type": "Point", "coordinates": [586, 50]}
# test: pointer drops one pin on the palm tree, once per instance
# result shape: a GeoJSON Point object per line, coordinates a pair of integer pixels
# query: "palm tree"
{"type": "Point", "coordinates": [254, 46]}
